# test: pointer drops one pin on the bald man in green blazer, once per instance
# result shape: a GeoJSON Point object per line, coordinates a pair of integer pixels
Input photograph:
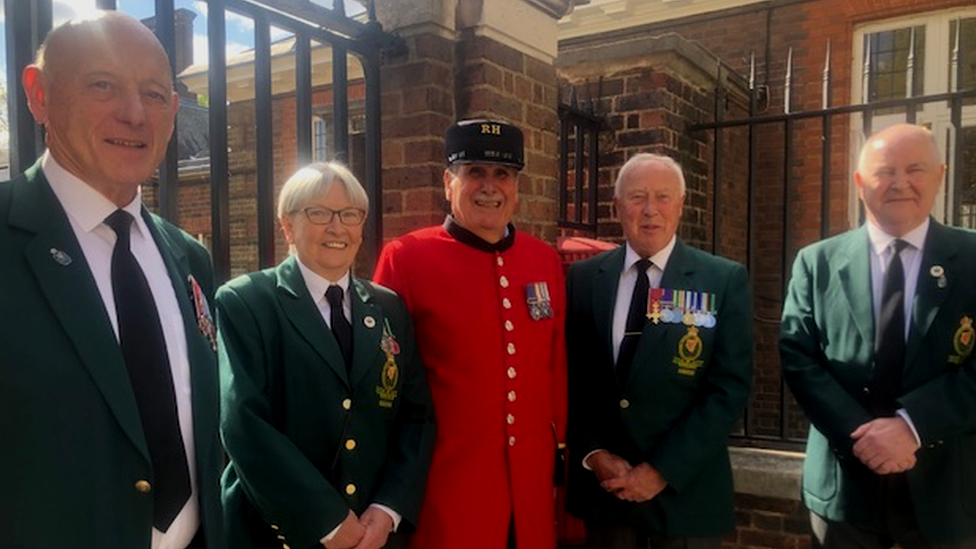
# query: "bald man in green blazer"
{"type": "Point", "coordinates": [891, 455]}
{"type": "Point", "coordinates": [77, 468]}
{"type": "Point", "coordinates": [648, 454]}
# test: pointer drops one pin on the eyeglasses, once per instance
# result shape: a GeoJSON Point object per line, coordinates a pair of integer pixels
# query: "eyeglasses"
{"type": "Point", "coordinates": [318, 215]}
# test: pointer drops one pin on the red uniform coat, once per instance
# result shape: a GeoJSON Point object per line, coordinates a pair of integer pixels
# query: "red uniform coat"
{"type": "Point", "coordinates": [497, 378]}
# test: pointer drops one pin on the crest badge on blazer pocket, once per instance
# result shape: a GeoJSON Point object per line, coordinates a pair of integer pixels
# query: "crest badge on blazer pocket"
{"type": "Point", "coordinates": [690, 348]}
{"type": "Point", "coordinates": [963, 340]}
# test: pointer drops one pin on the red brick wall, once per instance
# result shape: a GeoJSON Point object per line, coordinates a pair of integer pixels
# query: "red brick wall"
{"type": "Point", "coordinates": [475, 77]}
{"type": "Point", "coordinates": [769, 523]}
{"type": "Point", "coordinates": [786, 202]}
{"type": "Point", "coordinates": [418, 106]}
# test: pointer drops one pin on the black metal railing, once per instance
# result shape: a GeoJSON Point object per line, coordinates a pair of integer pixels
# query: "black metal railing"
{"type": "Point", "coordinates": [778, 147]}
{"type": "Point", "coordinates": [27, 22]}
{"type": "Point", "coordinates": [579, 133]}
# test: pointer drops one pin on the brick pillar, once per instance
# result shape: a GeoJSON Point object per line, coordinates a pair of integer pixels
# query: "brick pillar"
{"type": "Point", "coordinates": [464, 60]}
{"type": "Point", "coordinates": [653, 89]}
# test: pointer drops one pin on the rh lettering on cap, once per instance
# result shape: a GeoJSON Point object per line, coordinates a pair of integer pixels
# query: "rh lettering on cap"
{"type": "Point", "coordinates": [493, 129]}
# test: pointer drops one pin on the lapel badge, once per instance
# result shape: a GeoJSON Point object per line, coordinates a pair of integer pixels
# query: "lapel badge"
{"type": "Point", "coordinates": [963, 340]}
{"type": "Point", "coordinates": [938, 273]}
{"type": "Point", "coordinates": [538, 300]}
{"type": "Point", "coordinates": [205, 321]}
{"type": "Point", "coordinates": [689, 351]}
{"type": "Point", "coordinates": [369, 321]}
{"type": "Point", "coordinates": [390, 373]}
{"type": "Point", "coordinates": [60, 257]}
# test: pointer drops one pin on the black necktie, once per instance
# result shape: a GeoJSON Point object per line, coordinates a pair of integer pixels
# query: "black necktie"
{"type": "Point", "coordinates": [340, 326]}
{"type": "Point", "coordinates": [144, 351]}
{"type": "Point", "coordinates": [636, 318]}
{"type": "Point", "coordinates": [889, 359]}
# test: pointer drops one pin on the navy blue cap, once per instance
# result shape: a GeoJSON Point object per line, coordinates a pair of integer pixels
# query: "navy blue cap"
{"type": "Point", "coordinates": [484, 141]}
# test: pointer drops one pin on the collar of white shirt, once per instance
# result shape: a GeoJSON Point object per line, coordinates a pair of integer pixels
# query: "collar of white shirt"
{"type": "Point", "coordinates": [86, 206]}
{"type": "Point", "coordinates": [317, 284]}
{"type": "Point", "coordinates": [880, 240]}
{"type": "Point", "coordinates": [660, 259]}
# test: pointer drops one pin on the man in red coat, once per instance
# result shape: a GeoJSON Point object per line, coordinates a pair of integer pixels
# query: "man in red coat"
{"type": "Point", "coordinates": [489, 309]}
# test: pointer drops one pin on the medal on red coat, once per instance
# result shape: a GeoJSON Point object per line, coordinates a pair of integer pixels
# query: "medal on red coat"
{"type": "Point", "coordinates": [205, 321]}
{"type": "Point", "coordinates": [538, 300]}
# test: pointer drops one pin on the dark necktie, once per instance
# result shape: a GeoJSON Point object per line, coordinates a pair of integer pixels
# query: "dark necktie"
{"type": "Point", "coordinates": [144, 352]}
{"type": "Point", "coordinates": [889, 359]}
{"type": "Point", "coordinates": [340, 326]}
{"type": "Point", "coordinates": [636, 318]}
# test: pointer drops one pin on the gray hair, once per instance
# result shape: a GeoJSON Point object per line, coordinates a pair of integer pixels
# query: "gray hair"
{"type": "Point", "coordinates": [315, 180]}
{"type": "Point", "coordinates": [640, 159]}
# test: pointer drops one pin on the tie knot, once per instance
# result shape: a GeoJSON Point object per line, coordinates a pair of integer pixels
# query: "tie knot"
{"type": "Point", "coordinates": [897, 245]}
{"type": "Point", "coordinates": [334, 296]}
{"type": "Point", "coordinates": [642, 265]}
{"type": "Point", "coordinates": [120, 221]}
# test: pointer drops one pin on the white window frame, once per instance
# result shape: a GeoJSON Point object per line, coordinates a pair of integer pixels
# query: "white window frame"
{"type": "Point", "coordinates": [935, 116]}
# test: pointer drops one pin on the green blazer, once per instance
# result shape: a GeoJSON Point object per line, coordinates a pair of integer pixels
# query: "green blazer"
{"type": "Point", "coordinates": [309, 441]}
{"type": "Point", "coordinates": [677, 422]}
{"type": "Point", "coordinates": [73, 447]}
{"type": "Point", "coordinates": [827, 348]}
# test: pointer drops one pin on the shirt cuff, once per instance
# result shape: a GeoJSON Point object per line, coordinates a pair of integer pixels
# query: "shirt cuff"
{"type": "Point", "coordinates": [903, 413]}
{"type": "Point", "coordinates": [330, 535]}
{"type": "Point", "coordinates": [396, 517]}
{"type": "Point", "coordinates": [393, 514]}
{"type": "Point", "coordinates": [587, 456]}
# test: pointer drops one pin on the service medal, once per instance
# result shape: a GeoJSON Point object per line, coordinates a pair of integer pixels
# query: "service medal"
{"type": "Point", "coordinates": [654, 305]}
{"type": "Point", "coordinates": [538, 299]}
{"type": "Point", "coordinates": [388, 343]}
{"type": "Point", "coordinates": [390, 373]}
{"type": "Point", "coordinates": [205, 321]}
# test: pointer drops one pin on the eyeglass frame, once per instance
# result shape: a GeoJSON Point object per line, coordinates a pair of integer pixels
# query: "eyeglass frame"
{"type": "Point", "coordinates": [333, 214]}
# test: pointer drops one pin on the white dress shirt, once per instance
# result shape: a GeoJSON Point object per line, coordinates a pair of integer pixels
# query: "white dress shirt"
{"type": "Point", "coordinates": [911, 259]}
{"type": "Point", "coordinates": [87, 209]}
{"type": "Point", "coordinates": [625, 287]}
{"type": "Point", "coordinates": [317, 286]}
{"type": "Point", "coordinates": [625, 293]}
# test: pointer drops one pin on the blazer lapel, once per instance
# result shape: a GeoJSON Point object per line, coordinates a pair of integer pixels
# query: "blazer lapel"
{"type": "Point", "coordinates": [605, 285]}
{"type": "Point", "coordinates": [65, 280]}
{"type": "Point", "coordinates": [301, 311]}
{"type": "Point", "coordinates": [200, 353]}
{"type": "Point", "coordinates": [931, 291]}
{"type": "Point", "coordinates": [854, 272]}
{"type": "Point", "coordinates": [367, 329]}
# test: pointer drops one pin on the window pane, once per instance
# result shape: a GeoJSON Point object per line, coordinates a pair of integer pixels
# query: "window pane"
{"type": "Point", "coordinates": [891, 54]}
{"type": "Point", "coordinates": [965, 198]}
{"type": "Point", "coordinates": [320, 140]}
{"type": "Point", "coordinates": [967, 55]}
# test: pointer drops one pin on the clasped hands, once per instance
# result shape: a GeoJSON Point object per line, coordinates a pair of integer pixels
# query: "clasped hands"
{"type": "Point", "coordinates": [369, 531]}
{"type": "Point", "coordinates": [886, 445]}
{"type": "Point", "coordinates": [636, 483]}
